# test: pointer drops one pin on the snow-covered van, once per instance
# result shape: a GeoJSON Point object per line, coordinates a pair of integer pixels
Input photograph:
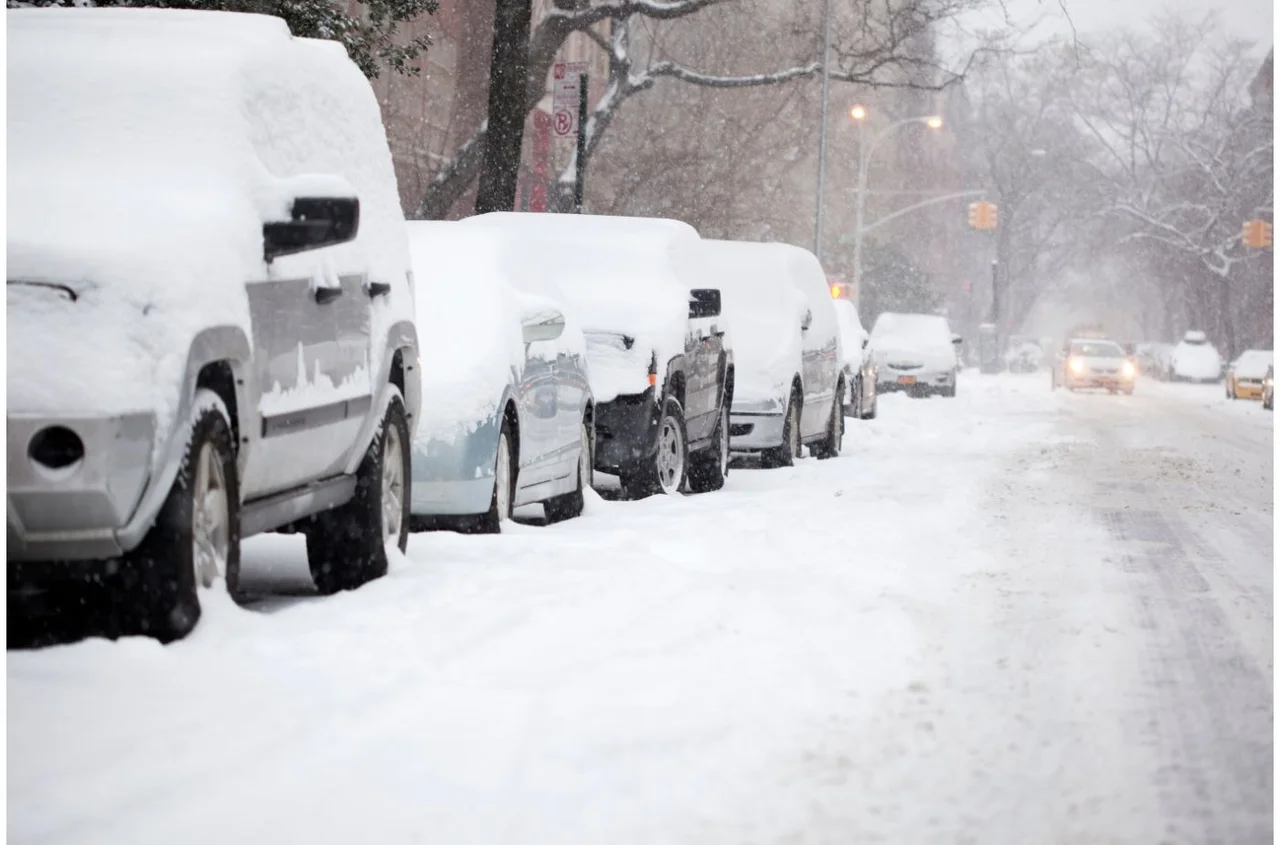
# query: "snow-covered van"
{"type": "Point", "coordinates": [659, 353]}
{"type": "Point", "coordinates": [790, 384]}
{"type": "Point", "coordinates": [210, 307]}
{"type": "Point", "coordinates": [1195, 359]}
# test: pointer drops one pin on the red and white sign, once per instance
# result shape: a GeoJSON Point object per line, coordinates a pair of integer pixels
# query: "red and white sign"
{"type": "Point", "coordinates": [565, 82]}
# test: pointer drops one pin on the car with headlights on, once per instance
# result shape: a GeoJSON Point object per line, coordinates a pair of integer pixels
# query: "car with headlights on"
{"type": "Point", "coordinates": [1246, 373]}
{"type": "Point", "coordinates": [1268, 388]}
{"type": "Point", "coordinates": [916, 353]}
{"type": "Point", "coordinates": [1094, 364]}
{"type": "Point", "coordinates": [507, 416]}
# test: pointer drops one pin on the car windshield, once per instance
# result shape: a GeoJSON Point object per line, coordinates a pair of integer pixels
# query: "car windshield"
{"type": "Point", "coordinates": [1096, 349]}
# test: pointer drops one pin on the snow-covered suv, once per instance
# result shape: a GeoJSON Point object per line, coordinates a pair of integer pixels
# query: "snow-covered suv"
{"type": "Point", "coordinates": [210, 308]}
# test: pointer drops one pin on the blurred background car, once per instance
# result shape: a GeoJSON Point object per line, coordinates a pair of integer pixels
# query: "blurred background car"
{"type": "Point", "coordinates": [1195, 359]}
{"type": "Point", "coordinates": [1154, 360]}
{"type": "Point", "coordinates": [859, 365]}
{"type": "Point", "coordinates": [1024, 356]}
{"type": "Point", "coordinates": [1268, 388]}
{"type": "Point", "coordinates": [916, 353]}
{"type": "Point", "coordinates": [1246, 373]}
{"type": "Point", "coordinates": [507, 410]}
{"type": "Point", "coordinates": [1094, 364]}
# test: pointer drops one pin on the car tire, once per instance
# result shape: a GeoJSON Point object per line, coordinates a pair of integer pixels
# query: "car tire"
{"type": "Point", "coordinates": [785, 455]}
{"type": "Point", "coordinates": [347, 545]}
{"type": "Point", "coordinates": [948, 392]}
{"type": "Point", "coordinates": [829, 447]}
{"type": "Point", "coordinates": [855, 401]}
{"type": "Point", "coordinates": [875, 401]}
{"type": "Point", "coordinates": [506, 464]}
{"type": "Point", "coordinates": [665, 472]}
{"type": "Point", "coordinates": [570, 505]}
{"type": "Point", "coordinates": [161, 579]}
{"type": "Point", "coordinates": [708, 468]}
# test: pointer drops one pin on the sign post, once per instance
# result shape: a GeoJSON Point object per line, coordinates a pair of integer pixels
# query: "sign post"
{"type": "Point", "coordinates": [569, 115]}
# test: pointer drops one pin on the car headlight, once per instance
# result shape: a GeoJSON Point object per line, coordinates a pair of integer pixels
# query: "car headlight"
{"type": "Point", "coordinates": [1076, 365]}
{"type": "Point", "coordinates": [1127, 369]}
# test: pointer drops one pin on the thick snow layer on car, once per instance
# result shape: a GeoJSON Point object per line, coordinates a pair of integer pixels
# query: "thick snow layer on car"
{"type": "Point", "coordinates": [1253, 363]}
{"type": "Point", "coordinates": [765, 313]}
{"type": "Point", "coordinates": [1196, 360]}
{"type": "Point", "coordinates": [622, 280]}
{"type": "Point", "coordinates": [146, 149]}
{"type": "Point", "coordinates": [851, 332]}
{"type": "Point", "coordinates": [923, 338]}
{"type": "Point", "coordinates": [469, 335]}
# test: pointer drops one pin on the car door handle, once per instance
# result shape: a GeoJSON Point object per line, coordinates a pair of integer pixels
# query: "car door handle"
{"type": "Point", "coordinates": [326, 295]}
{"type": "Point", "coordinates": [376, 289]}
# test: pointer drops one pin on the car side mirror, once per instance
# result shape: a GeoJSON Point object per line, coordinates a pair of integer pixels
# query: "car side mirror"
{"type": "Point", "coordinates": [315, 222]}
{"type": "Point", "coordinates": [704, 302]}
{"type": "Point", "coordinates": [542, 325]}
{"type": "Point", "coordinates": [807, 320]}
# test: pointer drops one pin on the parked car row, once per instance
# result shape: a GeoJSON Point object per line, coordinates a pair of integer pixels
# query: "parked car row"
{"type": "Point", "coordinates": [228, 327]}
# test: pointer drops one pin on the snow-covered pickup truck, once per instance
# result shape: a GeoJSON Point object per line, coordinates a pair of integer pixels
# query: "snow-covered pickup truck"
{"type": "Point", "coordinates": [210, 307]}
{"type": "Point", "coordinates": [659, 352]}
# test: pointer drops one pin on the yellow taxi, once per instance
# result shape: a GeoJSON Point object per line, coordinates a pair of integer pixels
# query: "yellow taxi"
{"type": "Point", "coordinates": [1245, 375]}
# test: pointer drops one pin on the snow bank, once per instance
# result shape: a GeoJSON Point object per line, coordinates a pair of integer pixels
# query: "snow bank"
{"type": "Point", "coordinates": [620, 277]}
{"type": "Point", "coordinates": [146, 149]}
{"type": "Point", "coordinates": [765, 312]}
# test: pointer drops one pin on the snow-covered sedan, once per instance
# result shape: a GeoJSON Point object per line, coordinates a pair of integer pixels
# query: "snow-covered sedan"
{"type": "Point", "coordinates": [1094, 364]}
{"type": "Point", "coordinates": [1246, 374]}
{"type": "Point", "coordinates": [790, 384]}
{"type": "Point", "coordinates": [859, 364]}
{"type": "Point", "coordinates": [1195, 359]}
{"type": "Point", "coordinates": [915, 353]}
{"type": "Point", "coordinates": [507, 409]}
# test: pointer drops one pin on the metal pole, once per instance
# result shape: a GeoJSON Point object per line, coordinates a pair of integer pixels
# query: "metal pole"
{"type": "Point", "coordinates": [859, 209]}
{"type": "Point", "coordinates": [580, 166]}
{"type": "Point", "coordinates": [995, 295]}
{"type": "Point", "coordinates": [822, 129]}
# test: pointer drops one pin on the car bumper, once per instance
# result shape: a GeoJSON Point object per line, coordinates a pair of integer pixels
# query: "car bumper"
{"type": "Point", "coordinates": [454, 477]}
{"type": "Point", "coordinates": [890, 380]}
{"type": "Point", "coordinates": [1098, 381]}
{"type": "Point", "coordinates": [1248, 391]}
{"type": "Point", "coordinates": [77, 512]}
{"type": "Point", "coordinates": [755, 432]}
{"type": "Point", "coordinates": [626, 431]}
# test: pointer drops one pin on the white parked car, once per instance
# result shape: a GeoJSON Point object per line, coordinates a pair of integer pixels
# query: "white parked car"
{"type": "Point", "coordinates": [507, 410]}
{"type": "Point", "coordinates": [860, 370]}
{"type": "Point", "coordinates": [1196, 359]}
{"type": "Point", "coordinates": [214, 306]}
{"type": "Point", "coordinates": [791, 391]}
{"type": "Point", "coordinates": [915, 353]}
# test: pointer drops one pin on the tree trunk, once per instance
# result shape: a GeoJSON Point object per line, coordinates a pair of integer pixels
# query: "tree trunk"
{"type": "Point", "coordinates": [508, 79]}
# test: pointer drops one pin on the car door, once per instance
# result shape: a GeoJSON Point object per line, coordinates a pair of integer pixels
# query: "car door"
{"type": "Point", "coordinates": [311, 346]}
{"type": "Point", "coordinates": [704, 349]}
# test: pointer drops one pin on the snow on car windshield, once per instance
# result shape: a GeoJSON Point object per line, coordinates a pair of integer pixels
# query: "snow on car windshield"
{"type": "Point", "coordinates": [1254, 363]}
{"type": "Point", "coordinates": [924, 329]}
{"type": "Point", "coordinates": [1095, 349]}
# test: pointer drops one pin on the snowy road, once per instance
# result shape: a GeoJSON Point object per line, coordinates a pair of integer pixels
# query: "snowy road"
{"type": "Point", "coordinates": [1015, 617]}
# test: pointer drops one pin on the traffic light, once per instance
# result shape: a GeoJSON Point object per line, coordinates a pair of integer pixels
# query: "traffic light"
{"type": "Point", "coordinates": [1256, 234]}
{"type": "Point", "coordinates": [983, 215]}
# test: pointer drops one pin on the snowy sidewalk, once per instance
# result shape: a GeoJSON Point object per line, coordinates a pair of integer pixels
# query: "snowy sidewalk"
{"type": "Point", "coordinates": [938, 637]}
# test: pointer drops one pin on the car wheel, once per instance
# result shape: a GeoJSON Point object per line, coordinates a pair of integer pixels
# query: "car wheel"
{"type": "Point", "coordinates": [665, 473]}
{"type": "Point", "coordinates": [196, 537]}
{"type": "Point", "coordinates": [708, 468]}
{"type": "Point", "coordinates": [830, 445]}
{"type": "Point", "coordinates": [948, 392]}
{"type": "Point", "coordinates": [875, 400]}
{"type": "Point", "coordinates": [347, 546]}
{"type": "Point", "coordinates": [786, 454]}
{"type": "Point", "coordinates": [571, 505]}
{"type": "Point", "coordinates": [856, 402]}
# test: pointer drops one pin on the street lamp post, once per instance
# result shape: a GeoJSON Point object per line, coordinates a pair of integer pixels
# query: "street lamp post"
{"type": "Point", "coordinates": [859, 114]}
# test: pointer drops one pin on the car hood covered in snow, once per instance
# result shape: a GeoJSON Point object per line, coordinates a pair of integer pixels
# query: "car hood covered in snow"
{"type": "Point", "coordinates": [765, 311]}
{"type": "Point", "coordinates": [142, 164]}
{"type": "Point", "coordinates": [1196, 361]}
{"type": "Point", "coordinates": [1253, 364]}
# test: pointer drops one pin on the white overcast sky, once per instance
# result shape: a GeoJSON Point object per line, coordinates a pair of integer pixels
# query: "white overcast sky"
{"type": "Point", "coordinates": [1250, 19]}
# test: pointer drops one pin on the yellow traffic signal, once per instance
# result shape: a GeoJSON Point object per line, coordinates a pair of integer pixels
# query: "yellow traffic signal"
{"type": "Point", "coordinates": [983, 215]}
{"type": "Point", "coordinates": [1256, 234]}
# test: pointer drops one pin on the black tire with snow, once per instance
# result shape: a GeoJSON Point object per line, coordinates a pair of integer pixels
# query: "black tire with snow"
{"type": "Point", "coordinates": [829, 446]}
{"type": "Point", "coordinates": [159, 590]}
{"type": "Point", "coordinates": [642, 479]}
{"type": "Point", "coordinates": [345, 545]}
{"type": "Point", "coordinates": [571, 505]}
{"type": "Point", "coordinates": [708, 468]}
{"type": "Point", "coordinates": [785, 454]}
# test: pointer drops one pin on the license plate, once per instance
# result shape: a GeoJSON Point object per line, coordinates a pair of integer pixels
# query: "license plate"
{"type": "Point", "coordinates": [906, 379]}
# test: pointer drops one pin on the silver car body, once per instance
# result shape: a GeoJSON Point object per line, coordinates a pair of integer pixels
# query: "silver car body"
{"type": "Point", "coordinates": [491, 353]}
{"type": "Point", "coordinates": [914, 352]}
{"type": "Point", "coordinates": [860, 369]}
{"type": "Point", "coordinates": [123, 316]}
